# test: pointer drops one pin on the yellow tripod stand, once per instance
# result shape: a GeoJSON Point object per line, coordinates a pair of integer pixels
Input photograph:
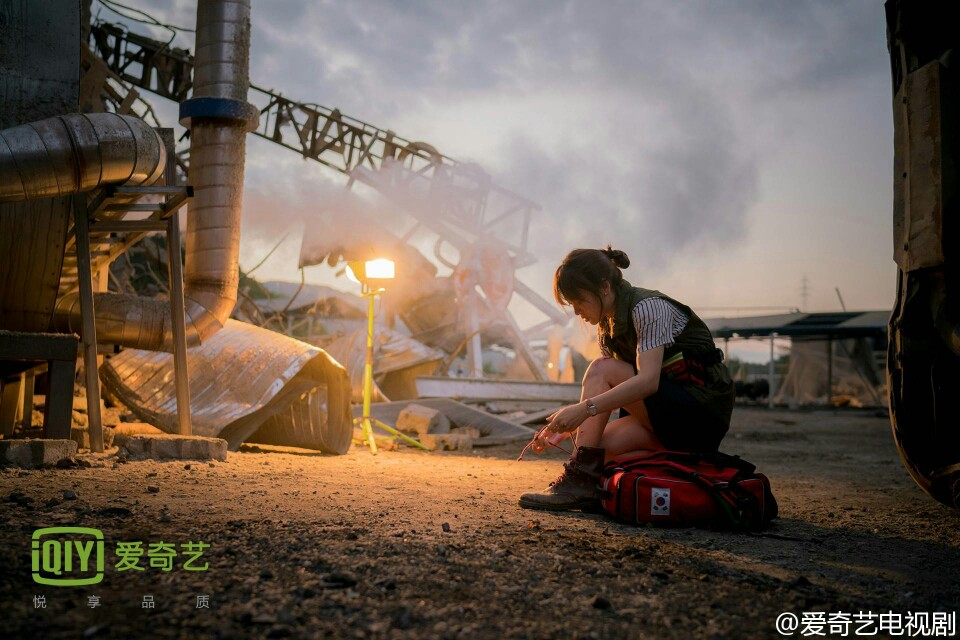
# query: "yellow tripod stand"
{"type": "Point", "coordinates": [366, 422]}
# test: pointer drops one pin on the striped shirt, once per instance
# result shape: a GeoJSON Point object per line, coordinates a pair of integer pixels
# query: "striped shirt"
{"type": "Point", "coordinates": [657, 323]}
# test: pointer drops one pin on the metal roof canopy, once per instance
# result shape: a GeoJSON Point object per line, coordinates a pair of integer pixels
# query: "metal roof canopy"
{"type": "Point", "coordinates": [843, 324]}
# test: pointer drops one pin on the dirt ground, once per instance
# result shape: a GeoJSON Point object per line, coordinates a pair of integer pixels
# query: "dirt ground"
{"type": "Point", "coordinates": [415, 545]}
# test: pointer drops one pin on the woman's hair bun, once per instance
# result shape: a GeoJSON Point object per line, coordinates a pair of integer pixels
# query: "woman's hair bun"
{"type": "Point", "coordinates": [619, 258]}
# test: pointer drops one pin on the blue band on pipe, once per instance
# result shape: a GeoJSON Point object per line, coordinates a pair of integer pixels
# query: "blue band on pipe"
{"type": "Point", "coordinates": [219, 109]}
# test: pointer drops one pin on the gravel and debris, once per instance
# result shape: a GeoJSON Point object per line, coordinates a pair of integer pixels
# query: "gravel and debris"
{"type": "Point", "coordinates": [409, 544]}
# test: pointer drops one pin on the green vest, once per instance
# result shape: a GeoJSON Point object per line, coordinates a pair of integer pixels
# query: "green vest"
{"type": "Point", "coordinates": [717, 394]}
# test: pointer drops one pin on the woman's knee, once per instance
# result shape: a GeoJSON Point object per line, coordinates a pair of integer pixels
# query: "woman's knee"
{"type": "Point", "coordinates": [607, 370]}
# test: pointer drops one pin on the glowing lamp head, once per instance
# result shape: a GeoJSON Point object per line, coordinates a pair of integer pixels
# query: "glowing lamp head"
{"type": "Point", "coordinates": [380, 269]}
{"type": "Point", "coordinates": [370, 272]}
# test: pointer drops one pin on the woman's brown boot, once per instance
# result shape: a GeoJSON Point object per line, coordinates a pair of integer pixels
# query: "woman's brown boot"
{"type": "Point", "coordinates": [578, 487]}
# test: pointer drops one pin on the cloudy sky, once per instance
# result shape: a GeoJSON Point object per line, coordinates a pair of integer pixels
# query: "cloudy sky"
{"type": "Point", "coordinates": [732, 149]}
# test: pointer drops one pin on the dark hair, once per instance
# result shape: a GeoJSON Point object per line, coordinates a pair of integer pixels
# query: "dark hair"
{"type": "Point", "coordinates": [585, 270]}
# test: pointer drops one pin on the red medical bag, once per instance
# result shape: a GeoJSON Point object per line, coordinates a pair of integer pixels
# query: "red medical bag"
{"type": "Point", "coordinates": [688, 489]}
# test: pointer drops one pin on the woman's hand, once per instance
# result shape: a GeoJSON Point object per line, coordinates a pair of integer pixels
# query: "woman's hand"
{"type": "Point", "coordinates": [539, 443]}
{"type": "Point", "coordinates": [542, 439]}
{"type": "Point", "coordinates": [568, 419]}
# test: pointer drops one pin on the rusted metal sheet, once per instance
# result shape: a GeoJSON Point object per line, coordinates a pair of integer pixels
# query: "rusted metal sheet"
{"type": "Point", "coordinates": [243, 381]}
{"type": "Point", "coordinates": [922, 174]}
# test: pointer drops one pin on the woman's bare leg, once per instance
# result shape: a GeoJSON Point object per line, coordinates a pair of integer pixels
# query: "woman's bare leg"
{"type": "Point", "coordinates": [577, 487]}
{"type": "Point", "coordinates": [630, 434]}
{"type": "Point", "coordinates": [602, 375]}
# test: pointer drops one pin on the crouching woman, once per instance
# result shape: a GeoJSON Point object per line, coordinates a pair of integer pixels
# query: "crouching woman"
{"type": "Point", "coordinates": [659, 363]}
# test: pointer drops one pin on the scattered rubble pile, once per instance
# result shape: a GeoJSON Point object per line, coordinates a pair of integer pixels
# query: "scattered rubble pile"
{"type": "Point", "coordinates": [235, 399]}
{"type": "Point", "coordinates": [125, 438]}
{"type": "Point", "coordinates": [439, 423]}
{"type": "Point", "coordinates": [446, 424]}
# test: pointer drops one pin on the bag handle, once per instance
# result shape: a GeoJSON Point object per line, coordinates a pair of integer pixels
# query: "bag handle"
{"type": "Point", "coordinates": [716, 458]}
{"type": "Point", "coordinates": [735, 503]}
{"type": "Point", "coordinates": [736, 462]}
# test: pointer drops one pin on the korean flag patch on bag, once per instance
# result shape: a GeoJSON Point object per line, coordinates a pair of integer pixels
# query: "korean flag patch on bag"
{"type": "Point", "coordinates": [659, 502]}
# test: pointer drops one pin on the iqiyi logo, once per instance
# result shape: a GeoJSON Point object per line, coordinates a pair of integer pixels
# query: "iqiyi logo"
{"type": "Point", "coordinates": [74, 556]}
{"type": "Point", "coordinates": [67, 556]}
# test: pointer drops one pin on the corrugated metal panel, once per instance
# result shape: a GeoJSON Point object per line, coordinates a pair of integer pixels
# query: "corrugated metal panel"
{"type": "Point", "coordinates": [874, 319]}
{"type": "Point", "coordinates": [840, 324]}
{"type": "Point", "coordinates": [393, 352]}
{"type": "Point", "coordinates": [243, 379]}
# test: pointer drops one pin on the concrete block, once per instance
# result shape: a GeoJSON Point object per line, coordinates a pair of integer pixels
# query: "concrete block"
{"type": "Point", "coordinates": [136, 428]}
{"type": "Point", "coordinates": [34, 454]}
{"type": "Point", "coordinates": [446, 442]}
{"type": "Point", "coordinates": [420, 420]}
{"type": "Point", "coordinates": [171, 447]}
{"type": "Point", "coordinates": [471, 432]}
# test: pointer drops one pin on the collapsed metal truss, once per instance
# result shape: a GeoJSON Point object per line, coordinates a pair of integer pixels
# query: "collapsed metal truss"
{"type": "Point", "coordinates": [413, 173]}
{"type": "Point", "coordinates": [457, 201]}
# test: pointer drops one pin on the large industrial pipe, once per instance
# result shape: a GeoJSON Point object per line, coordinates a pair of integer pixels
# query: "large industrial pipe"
{"type": "Point", "coordinates": [67, 154]}
{"type": "Point", "coordinates": [219, 117]}
{"type": "Point", "coordinates": [73, 153]}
